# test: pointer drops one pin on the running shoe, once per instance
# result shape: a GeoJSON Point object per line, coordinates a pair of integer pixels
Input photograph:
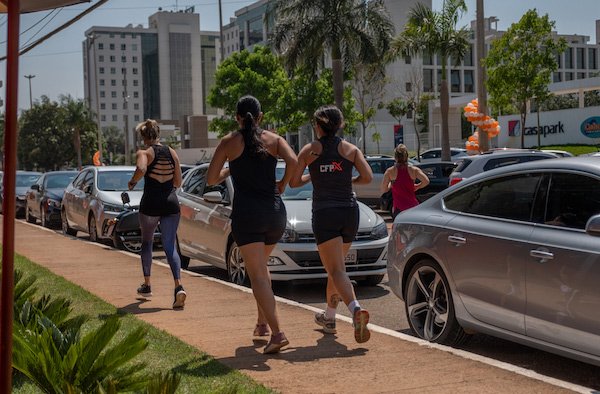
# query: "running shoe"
{"type": "Point", "coordinates": [144, 290]}
{"type": "Point", "coordinates": [276, 343]}
{"type": "Point", "coordinates": [261, 330]}
{"type": "Point", "coordinates": [180, 296]}
{"type": "Point", "coordinates": [360, 320]}
{"type": "Point", "coordinates": [327, 324]}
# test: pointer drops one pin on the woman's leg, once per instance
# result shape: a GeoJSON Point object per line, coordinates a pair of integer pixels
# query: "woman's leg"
{"type": "Point", "coordinates": [147, 226]}
{"type": "Point", "coordinates": [168, 232]}
{"type": "Point", "coordinates": [333, 296]}
{"type": "Point", "coordinates": [332, 254]}
{"type": "Point", "coordinates": [255, 258]}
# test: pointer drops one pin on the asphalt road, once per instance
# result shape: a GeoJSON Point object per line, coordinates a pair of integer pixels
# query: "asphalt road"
{"type": "Point", "coordinates": [387, 310]}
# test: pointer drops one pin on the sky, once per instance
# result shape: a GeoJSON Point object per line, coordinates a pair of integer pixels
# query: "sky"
{"type": "Point", "coordinates": [58, 63]}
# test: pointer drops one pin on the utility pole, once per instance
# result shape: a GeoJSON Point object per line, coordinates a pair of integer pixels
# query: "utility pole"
{"type": "Point", "coordinates": [222, 50]}
{"type": "Point", "coordinates": [30, 77]}
{"type": "Point", "coordinates": [91, 38]}
{"type": "Point", "coordinates": [484, 141]}
{"type": "Point", "coordinates": [126, 105]}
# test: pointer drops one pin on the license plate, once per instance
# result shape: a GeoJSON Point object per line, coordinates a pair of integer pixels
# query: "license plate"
{"type": "Point", "coordinates": [350, 257]}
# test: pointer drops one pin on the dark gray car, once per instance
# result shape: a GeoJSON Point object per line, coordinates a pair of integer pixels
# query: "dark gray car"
{"type": "Point", "coordinates": [513, 252]}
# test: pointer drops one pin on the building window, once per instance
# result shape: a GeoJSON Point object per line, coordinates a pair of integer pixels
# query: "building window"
{"type": "Point", "coordinates": [113, 70]}
{"type": "Point", "coordinates": [592, 62]}
{"type": "Point", "coordinates": [135, 82]}
{"type": "Point", "coordinates": [111, 47]}
{"type": "Point", "coordinates": [580, 75]}
{"type": "Point", "coordinates": [569, 58]}
{"type": "Point", "coordinates": [134, 71]}
{"type": "Point", "coordinates": [124, 104]}
{"type": "Point", "coordinates": [124, 82]}
{"type": "Point", "coordinates": [427, 59]}
{"type": "Point", "coordinates": [407, 59]}
{"type": "Point", "coordinates": [102, 94]}
{"type": "Point", "coordinates": [408, 87]}
{"type": "Point", "coordinates": [102, 106]}
{"type": "Point", "coordinates": [469, 85]}
{"type": "Point", "coordinates": [114, 118]}
{"type": "Point", "coordinates": [123, 47]}
{"type": "Point", "coordinates": [559, 60]}
{"type": "Point", "coordinates": [137, 118]}
{"type": "Point", "coordinates": [122, 35]}
{"type": "Point", "coordinates": [133, 35]}
{"type": "Point", "coordinates": [123, 70]}
{"type": "Point", "coordinates": [133, 46]}
{"type": "Point", "coordinates": [468, 59]}
{"type": "Point", "coordinates": [101, 58]}
{"type": "Point", "coordinates": [113, 94]}
{"type": "Point", "coordinates": [568, 76]}
{"type": "Point", "coordinates": [114, 106]}
{"type": "Point", "coordinates": [102, 82]}
{"type": "Point", "coordinates": [136, 105]}
{"type": "Point", "coordinates": [580, 60]}
{"type": "Point", "coordinates": [113, 82]}
{"type": "Point", "coordinates": [136, 94]}
{"type": "Point", "coordinates": [455, 81]}
{"type": "Point", "coordinates": [101, 69]}
{"type": "Point", "coordinates": [556, 77]}
{"type": "Point", "coordinates": [134, 59]}
{"type": "Point", "coordinates": [123, 59]}
{"type": "Point", "coordinates": [101, 46]}
{"type": "Point", "coordinates": [111, 35]}
{"type": "Point", "coordinates": [427, 80]}
{"type": "Point", "coordinates": [113, 59]}
{"type": "Point", "coordinates": [103, 118]}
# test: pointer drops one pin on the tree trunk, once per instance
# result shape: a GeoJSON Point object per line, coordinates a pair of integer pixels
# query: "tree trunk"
{"type": "Point", "coordinates": [78, 148]}
{"type": "Point", "coordinates": [484, 144]}
{"type": "Point", "coordinates": [364, 142]}
{"type": "Point", "coordinates": [444, 108]}
{"type": "Point", "coordinates": [418, 136]}
{"type": "Point", "coordinates": [338, 86]}
{"type": "Point", "coordinates": [523, 119]}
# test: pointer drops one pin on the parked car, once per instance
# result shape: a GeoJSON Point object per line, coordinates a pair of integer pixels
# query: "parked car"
{"type": "Point", "coordinates": [370, 193]}
{"type": "Point", "coordinates": [93, 199]}
{"type": "Point", "coordinates": [44, 197]}
{"type": "Point", "coordinates": [23, 181]}
{"type": "Point", "coordinates": [559, 153]}
{"type": "Point", "coordinates": [439, 178]}
{"type": "Point", "coordinates": [204, 233]}
{"type": "Point", "coordinates": [435, 154]}
{"type": "Point", "coordinates": [472, 165]}
{"type": "Point", "coordinates": [513, 253]}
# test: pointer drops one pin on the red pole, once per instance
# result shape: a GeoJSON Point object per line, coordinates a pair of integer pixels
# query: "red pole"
{"type": "Point", "coordinates": [9, 199]}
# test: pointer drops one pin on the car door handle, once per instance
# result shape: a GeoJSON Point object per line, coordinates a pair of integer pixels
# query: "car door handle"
{"type": "Point", "coordinates": [456, 239]}
{"type": "Point", "coordinates": [542, 254]}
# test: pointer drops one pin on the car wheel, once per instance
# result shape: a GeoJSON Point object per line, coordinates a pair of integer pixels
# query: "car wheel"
{"type": "Point", "coordinates": [28, 217]}
{"type": "Point", "coordinates": [92, 229]}
{"type": "Point", "coordinates": [43, 219]}
{"type": "Point", "coordinates": [429, 306]}
{"type": "Point", "coordinates": [236, 269]}
{"type": "Point", "coordinates": [372, 280]}
{"type": "Point", "coordinates": [65, 225]}
{"type": "Point", "coordinates": [185, 261]}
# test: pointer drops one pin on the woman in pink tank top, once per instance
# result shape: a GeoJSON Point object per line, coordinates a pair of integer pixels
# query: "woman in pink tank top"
{"type": "Point", "coordinates": [401, 180]}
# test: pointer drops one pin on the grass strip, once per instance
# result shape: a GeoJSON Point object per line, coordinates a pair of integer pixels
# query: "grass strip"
{"type": "Point", "coordinates": [200, 373]}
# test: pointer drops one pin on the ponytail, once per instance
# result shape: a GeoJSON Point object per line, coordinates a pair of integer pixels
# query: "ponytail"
{"type": "Point", "coordinates": [248, 108]}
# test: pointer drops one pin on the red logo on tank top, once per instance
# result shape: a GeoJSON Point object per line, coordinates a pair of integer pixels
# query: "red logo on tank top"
{"type": "Point", "coordinates": [333, 167]}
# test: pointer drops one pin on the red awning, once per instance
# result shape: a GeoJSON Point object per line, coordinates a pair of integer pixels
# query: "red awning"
{"type": "Point", "coordinates": [40, 5]}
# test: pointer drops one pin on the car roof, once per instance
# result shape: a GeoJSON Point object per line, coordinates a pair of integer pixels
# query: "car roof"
{"type": "Point", "coordinates": [113, 168]}
{"type": "Point", "coordinates": [510, 152]}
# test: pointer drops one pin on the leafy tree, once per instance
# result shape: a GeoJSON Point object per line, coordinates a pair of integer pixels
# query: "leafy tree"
{"type": "Point", "coordinates": [368, 91]}
{"type": "Point", "coordinates": [377, 139]}
{"type": "Point", "coordinates": [398, 109]}
{"type": "Point", "coordinates": [431, 32]}
{"type": "Point", "coordinates": [349, 32]}
{"type": "Point", "coordinates": [114, 144]}
{"type": "Point", "coordinates": [258, 73]}
{"type": "Point", "coordinates": [79, 119]}
{"type": "Point", "coordinates": [521, 62]}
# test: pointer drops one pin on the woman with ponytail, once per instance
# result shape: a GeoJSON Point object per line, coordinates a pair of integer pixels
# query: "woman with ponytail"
{"type": "Point", "coordinates": [258, 215]}
{"type": "Point", "coordinates": [335, 211]}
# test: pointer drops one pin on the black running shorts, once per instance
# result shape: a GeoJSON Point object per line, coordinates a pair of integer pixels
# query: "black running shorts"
{"type": "Point", "coordinates": [267, 228]}
{"type": "Point", "coordinates": [329, 223]}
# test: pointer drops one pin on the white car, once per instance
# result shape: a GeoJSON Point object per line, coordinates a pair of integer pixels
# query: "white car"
{"type": "Point", "coordinates": [435, 154]}
{"type": "Point", "coordinates": [204, 233]}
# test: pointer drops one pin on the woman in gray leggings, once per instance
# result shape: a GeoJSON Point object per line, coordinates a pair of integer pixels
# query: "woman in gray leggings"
{"type": "Point", "coordinates": [159, 165]}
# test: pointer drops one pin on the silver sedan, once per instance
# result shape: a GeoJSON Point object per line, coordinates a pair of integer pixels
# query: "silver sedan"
{"type": "Point", "coordinates": [513, 252]}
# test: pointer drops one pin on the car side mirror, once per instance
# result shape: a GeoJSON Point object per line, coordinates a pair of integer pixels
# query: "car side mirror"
{"type": "Point", "coordinates": [87, 189]}
{"type": "Point", "coordinates": [35, 187]}
{"type": "Point", "coordinates": [592, 226]}
{"type": "Point", "coordinates": [213, 197]}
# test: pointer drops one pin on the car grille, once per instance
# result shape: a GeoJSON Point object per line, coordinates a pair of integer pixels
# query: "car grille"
{"type": "Point", "coordinates": [312, 259]}
{"type": "Point", "coordinates": [310, 238]}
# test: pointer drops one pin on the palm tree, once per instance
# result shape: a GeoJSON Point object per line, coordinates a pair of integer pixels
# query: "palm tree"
{"type": "Point", "coordinates": [431, 32]}
{"type": "Point", "coordinates": [347, 31]}
{"type": "Point", "coordinates": [77, 116]}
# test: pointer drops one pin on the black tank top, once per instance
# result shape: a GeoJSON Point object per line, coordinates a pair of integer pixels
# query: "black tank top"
{"type": "Point", "coordinates": [159, 199]}
{"type": "Point", "coordinates": [254, 185]}
{"type": "Point", "coordinates": [331, 176]}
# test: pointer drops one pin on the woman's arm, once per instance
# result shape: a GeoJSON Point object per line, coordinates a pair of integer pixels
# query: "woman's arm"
{"type": "Point", "coordinates": [420, 175]}
{"type": "Point", "coordinates": [298, 177]}
{"type": "Point", "coordinates": [141, 164]}
{"type": "Point", "coordinates": [213, 175]}
{"type": "Point", "coordinates": [177, 175]}
{"type": "Point", "coordinates": [285, 151]}
{"type": "Point", "coordinates": [365, 174]}
{"type": "Point", "coordinates": [386, 181]}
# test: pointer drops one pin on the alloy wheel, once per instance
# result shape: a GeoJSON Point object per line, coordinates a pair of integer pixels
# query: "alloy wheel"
{"type": "Point", "coordinates": [236, 269]}
{"type": "Point", "coordinates": [92, 229]}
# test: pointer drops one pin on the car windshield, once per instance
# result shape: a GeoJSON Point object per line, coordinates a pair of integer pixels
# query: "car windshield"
{"type": "Point", "coordinates": [116, 181]}
{"type": "Point", "coordinates": [25, 180]}
{"type": "Point", "coordinates": [59, 181]}
{"type": "Point", "coordinates": [295, 193]}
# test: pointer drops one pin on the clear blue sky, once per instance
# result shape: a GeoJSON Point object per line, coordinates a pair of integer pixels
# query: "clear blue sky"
{"type": "Point", "coordinates": [58, 66]}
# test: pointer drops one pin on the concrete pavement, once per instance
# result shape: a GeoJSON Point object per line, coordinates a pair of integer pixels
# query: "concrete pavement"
{"type": "Point", "coordinates": [219, 319]}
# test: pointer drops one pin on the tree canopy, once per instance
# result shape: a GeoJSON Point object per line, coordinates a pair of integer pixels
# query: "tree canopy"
{"type": "Point", "coordinates": [521, 62]}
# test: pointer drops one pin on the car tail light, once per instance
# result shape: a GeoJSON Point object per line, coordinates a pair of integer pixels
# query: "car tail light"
{"type": "Point", "coordinates": [454, 181]}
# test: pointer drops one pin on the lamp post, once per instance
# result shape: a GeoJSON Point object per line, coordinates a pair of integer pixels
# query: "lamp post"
{"type": "Point", "coordinates": [30, 77]}
{"type": "Point", "coordinates": [90, 42]}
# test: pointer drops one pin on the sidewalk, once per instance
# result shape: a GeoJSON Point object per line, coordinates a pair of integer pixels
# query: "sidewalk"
{"type": "Point", "coordinates": [219, 319]}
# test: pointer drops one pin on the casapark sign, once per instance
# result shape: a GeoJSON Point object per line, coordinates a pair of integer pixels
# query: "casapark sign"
{"type": "Point", "coordinates": [591, 127]}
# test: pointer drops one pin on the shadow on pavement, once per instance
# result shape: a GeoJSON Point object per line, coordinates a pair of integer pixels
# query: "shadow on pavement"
{"type": "Point", "coordinates": [134, 308]}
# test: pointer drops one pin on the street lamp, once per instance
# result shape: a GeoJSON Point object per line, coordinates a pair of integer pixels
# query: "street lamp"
{"type": "Point", "coordinates": [90, 41]}
{"type": "Point", "coordinates": [30, 77]}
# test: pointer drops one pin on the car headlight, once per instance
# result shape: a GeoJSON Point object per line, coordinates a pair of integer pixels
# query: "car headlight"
{"type": "Point", "coordinates": [289, 236]}
{"type": "Point", "coordinates": [53, 203]}
{"type": "Point", "coordinates": [380, 231]}
{"type": "Point", "coordinates": [112, 208]}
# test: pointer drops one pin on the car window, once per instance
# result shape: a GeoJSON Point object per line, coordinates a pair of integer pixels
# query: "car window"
{"type": "Point", "coordinates": [447, 170]}
{"type": "Point", "coordinates": [40, 180]}
{"type": "Point", "coordinates": [376, 166]}
{"type": "Point", "coordinates": [58, 181]}
{"type": "Point", "coordinates": [462, 164]}
{"type": "Point", "coordinates": [78, 179]}
{"type": "Point", "coordinates": [430, 171]}
{"type": "Point", "coordinates": [432, 154]}
{"type": "Point", "coordinates": [117, 181]}
{"type": "Point", "coordinates": [194, 184]}
{"type": "Point", "coordinates": [87, 180]}
{"type": "Point", "coordinates": [26, 180]}
{"type": "Point", "coordinates": [501, 162]}
{"type": "Point", "coordinates": [572, 200]}
{"type": "Point", "coordinates": [509, 197]}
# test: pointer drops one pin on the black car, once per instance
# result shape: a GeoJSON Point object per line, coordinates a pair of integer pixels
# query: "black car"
{"type": "Point", "coordinates": [44, 197]}
{"type": "Point", "coordinates": [23, 181]}
{"type": "Point", "coordinates": [439, 177]}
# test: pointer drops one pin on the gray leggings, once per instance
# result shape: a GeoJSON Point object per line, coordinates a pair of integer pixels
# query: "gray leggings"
{"type": "Point", "coordinates": [168, 231]}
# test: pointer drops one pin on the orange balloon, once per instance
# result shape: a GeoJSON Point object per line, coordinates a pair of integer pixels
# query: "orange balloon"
{"type": "Point", "coordinates": [96, 158]}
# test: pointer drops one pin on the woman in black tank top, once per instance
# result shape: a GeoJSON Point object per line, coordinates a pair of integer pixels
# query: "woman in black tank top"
{"type": "Point", "coordinates": [335, 211]}
{"type": "Point", "coordinates": [159, 166]}
{"type": "Point", "coordinates": [258, 219]}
